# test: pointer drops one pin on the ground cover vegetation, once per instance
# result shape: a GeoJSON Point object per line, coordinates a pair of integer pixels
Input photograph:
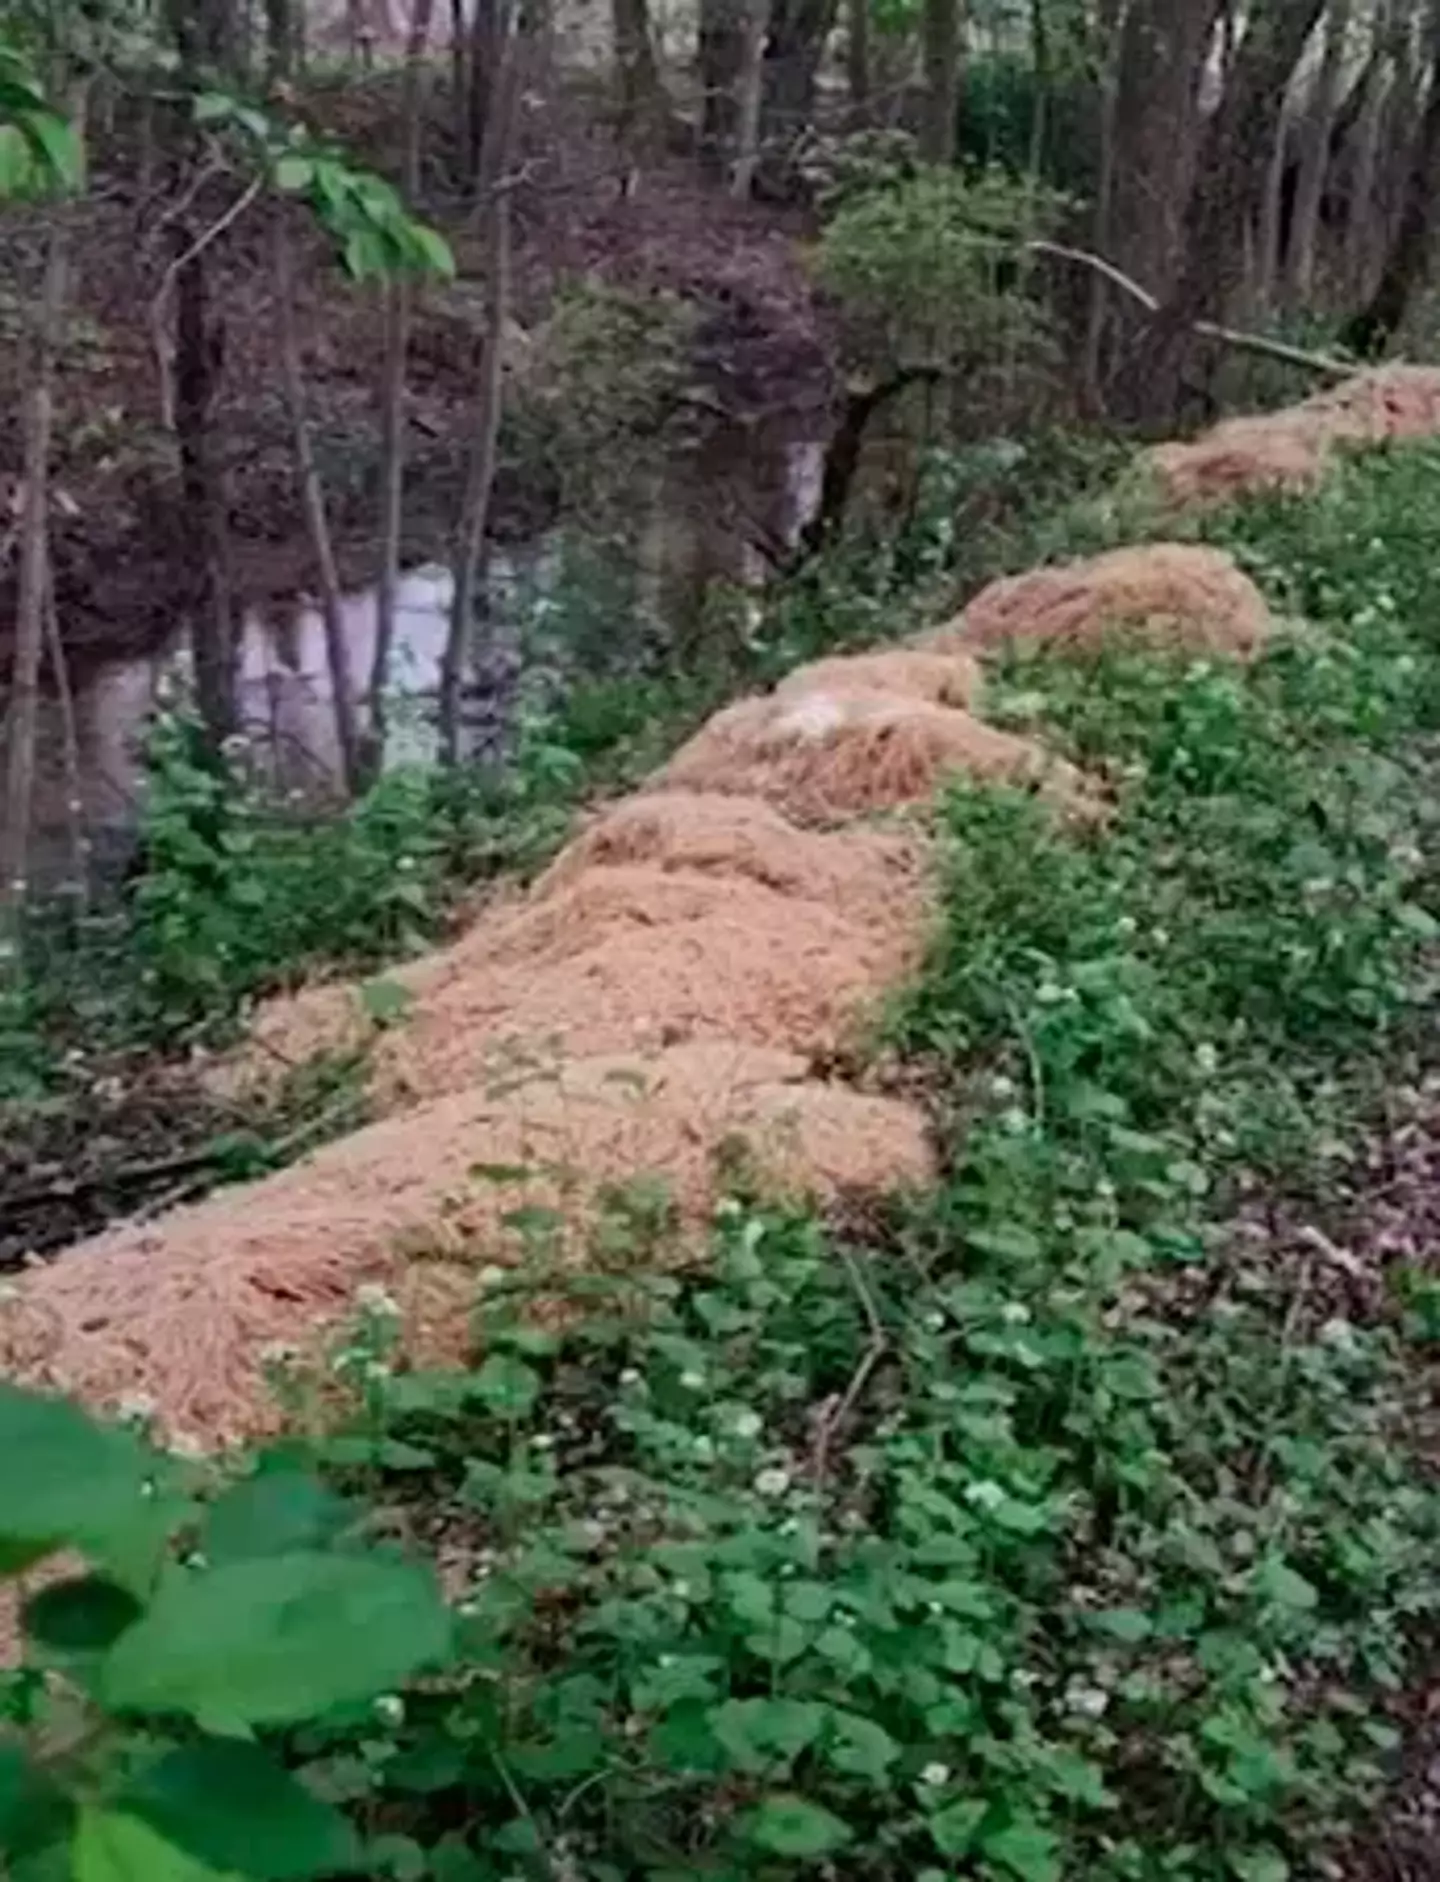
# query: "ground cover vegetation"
{"type": "Point", "coordinates": [1076, 1519]}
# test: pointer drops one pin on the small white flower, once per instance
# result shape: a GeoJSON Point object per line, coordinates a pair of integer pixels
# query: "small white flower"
{"type": "Point", "coordinates": [1126, 925]}
{"type": "Point", "coordinates": [680, 1590]}
{"type": "Point", "coordinates": [374, 1299]}
{"type": "Point", "coordinates": [1206, 1059]}
{"type": "Point", "coordinates": [376, 1369]}
{"type": "Point", "coordinates": [693, 1381]}
{"type": "Point", "coordinates": [542, 1441]}
{"type": "Point", "coordinates": [390, 1709]}
{"type": "Point", "coordinates": [490, 1277]}
{"type": "Point", "coordinates": [985, 1495]}
{"type": "Point", "coordinates": [935, 1774]}
{"type": "Point", "coordinates": [932, 1322]}
{"type": "Point", "coordinates": [772, 1482]}
{"type": "Point", "coordinates": [747, 1424]}
{"type": "Point", "coordinates": [1015, 1313]}
{"type": "Point", "coordinates": [1049, 994]}
{"type": "Point", "coordinates": [630, 1376]}
{"type": "Point", "coordinates": [1002, 1087]}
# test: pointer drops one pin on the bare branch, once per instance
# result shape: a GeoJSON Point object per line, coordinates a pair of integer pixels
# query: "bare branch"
{"type": "Point", "coordinates": [1322, 363]}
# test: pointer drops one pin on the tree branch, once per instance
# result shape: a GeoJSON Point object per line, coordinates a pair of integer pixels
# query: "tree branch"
{"type": "Point", "coordinates": [1239, 342]}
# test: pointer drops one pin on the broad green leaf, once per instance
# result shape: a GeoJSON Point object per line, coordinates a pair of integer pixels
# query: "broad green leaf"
{"type": "Point", "coordinates": [1025, 1849]}
{"type": "Point", "coordinates": [233, 1807]}
{"type": "Point", "coordinates": [278, 1639]}
{"type": "Point", "coordinates": [57, 145]}
{"type": "Point", "coordinates": [507, 1385]}
{"type": "Point", "coordinates": [213, 107]}
{"type": "Point", "coordinates": [64, 1479]}
{"type": "Point", "coordinates": [1276, 1581]}
{"type": "Point", "coordinates": [954, 1828]}
{"type": "Point", "coordinates": [792, 1826]}
{"type": "Point", "coordinates": [34, 1812]}
{"type": "Point", "coordinates": [758, 1733]}
{"type": "Point", "coordinates": [113, 1847]}
{"type": "Point", "coordinates": [365, 254]}
{"type": "Point", "coordinates": [1127, 1624]}
{"type": "Point", "coordinates": [293, 174]}
{"type": "Point", "coordinates": [859, 1746]}
{"type": "Point", "coordinates": [273, 1513]}
{"type": "Point", "coordinates": [86, 1615]}
{"type": "Point", "coordinates": [1259, 1865]}
{"type": "Point", "coordinates": [434, 250]}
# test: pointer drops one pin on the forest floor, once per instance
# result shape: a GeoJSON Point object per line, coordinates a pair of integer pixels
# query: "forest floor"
{"type": "Point", "coordinates": [1079, 1516]}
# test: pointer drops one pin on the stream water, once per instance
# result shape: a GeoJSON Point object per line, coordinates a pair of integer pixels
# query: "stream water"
{"type": "Point", "coordinates": [694, 534]}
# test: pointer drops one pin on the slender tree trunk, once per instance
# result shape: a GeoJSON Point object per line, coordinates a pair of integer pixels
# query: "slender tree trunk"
{"type": "Point", "coordinates": [480, 477]}
{"type": "Point", "coordinates": [392, 407]}
{"type": "Point", "coordinates": [312, 499]}
{"type": "Point", "coordinates": [199, 363]}
{"type": "Point", "coordinates": [1362, 159]}
{"type": "Point", "coordinates": [752, 79]}
{"type": "Point", "coordinates": [1108, 23]}
{"type": "Point", "coordinates": [1314, 143]}
{"type": "Point", "coordinates": [30, 617]}
{"type": "Point", "coordinates": [636, 71]}
{"type": "Point", "coordinates": [1372, 329]}
{"type": "Point", "coordinates": [857, 60]}
{"type": "Point", "coordinates": [940, 45]}
{"type": "Point", "coordinates": [1265, 275]}
{"type": "Point", "coordinates": [1223, 200]}
{"type": "Point", "coordinates": [78, 838]}
{"type": "Point", "coordinates": [720, 56]}
{"type": "Point", "coordinates": [793, 50]}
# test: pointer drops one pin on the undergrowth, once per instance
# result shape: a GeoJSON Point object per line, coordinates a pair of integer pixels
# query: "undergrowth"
{"type": "Point", "coordinates": [1068, 1522]}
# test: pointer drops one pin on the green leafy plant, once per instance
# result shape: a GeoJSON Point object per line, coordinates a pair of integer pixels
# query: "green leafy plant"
{"type": "Point", "coordinates": [198, 1625]}
{"type": "Point", "coordinates": [41, 151]}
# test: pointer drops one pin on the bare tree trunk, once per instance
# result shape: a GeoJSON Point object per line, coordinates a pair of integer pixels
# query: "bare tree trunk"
{"type": "Point", "coordinates": [1163, 48]}
{"type": "Point", "coordinates": [480, 477]}
{"type": "Point", "coordinates": [1407, 263]}
{"type": "Point", "coordinates": [1223, 199]}
{"type": "Point", "coordinates": [392, 409]}
{"type": "Point", "coordinates": [312, 499]}
{"type": "Point", "coordinates": [1362, 166]}
{"type": "Point", "coordinates": [1108, 24]}
{"type": "Point", "coordinates": [940, 44]}
{"type": "Point", "coordinates": [857, 59]}
{"type": "Point", "coordinates": [636, 70]}
{"type": "Point", "coordinates": [752, 80]}
{"type": "Point", "coordinates": [1265, 275]}
{"type": "Point", "coordinates": [79, 841]}
{"type": "Point", "coordinates": [794, 47]}
{"type": "Point", "coordinates": [720, 56]}
{"type": "Point", "coordinates": [1314, 150]}
{"type": "Point", "coordinates": [30, 617]}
